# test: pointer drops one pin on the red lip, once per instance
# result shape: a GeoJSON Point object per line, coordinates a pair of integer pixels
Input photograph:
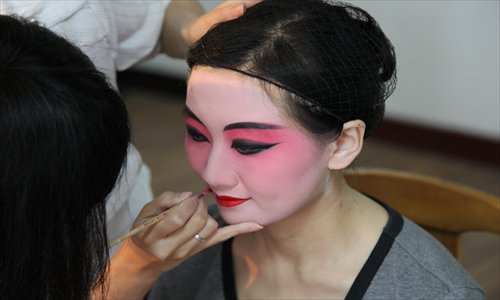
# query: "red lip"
{"type": "Point", "coordinates": [227, 201]}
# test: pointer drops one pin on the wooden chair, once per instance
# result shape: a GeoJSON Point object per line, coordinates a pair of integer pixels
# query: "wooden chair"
{"type": "Point", "coordinates": [443, 208]}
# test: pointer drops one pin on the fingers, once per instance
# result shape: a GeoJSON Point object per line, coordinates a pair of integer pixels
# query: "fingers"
{"type": "Point", "coordinates": [192, 226]}
{"type": "Point", "coordinates": [189, 213]}
{"type": "Point", "coordinates": [227, 232]}
{"type": "Point", "coordinates": [224, 12]}
{"type": "Point", "coordinates": [180, 211]}
{"type": "Point", "coordinates": [171, 240]}
{"type": "Point", "coordinates": [227, 10]}
{"type": "Point", "coordinates": [192, 243]}
{"type": "Point", "coordinates": [231, 9]}
{"type": "Point", "coordinates": [249, 3]}
{"type": "Point", "coordinates": [224, 233]}
{"type": "Point", "coordinates": [160, 204]}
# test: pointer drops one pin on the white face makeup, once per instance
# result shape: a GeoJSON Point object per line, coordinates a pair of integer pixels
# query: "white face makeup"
{"type": "Point", "coordinates": [260, 166]}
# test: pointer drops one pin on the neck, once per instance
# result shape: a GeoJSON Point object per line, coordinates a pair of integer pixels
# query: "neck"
{"type": "Point", "coordinates": [327, 225]}
{"type": "Point", "coordinates": [326, 241]}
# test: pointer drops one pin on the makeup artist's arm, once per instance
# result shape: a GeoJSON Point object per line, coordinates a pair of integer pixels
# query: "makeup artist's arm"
{"type": "Point", "coordinates": [186, 21]}
{"type": "Point", "coordinates": [144, 257]}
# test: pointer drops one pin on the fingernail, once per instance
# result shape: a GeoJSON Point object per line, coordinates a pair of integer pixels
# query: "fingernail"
{"type": "Point", "coordinates": [256, 227]}
{"type": "Point", "coordinates": [239, 10]}
{"type": "Point", "coordinates": [183, 195]}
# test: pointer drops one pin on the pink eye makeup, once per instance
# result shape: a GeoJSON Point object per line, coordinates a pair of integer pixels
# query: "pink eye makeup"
{"type": "Point", "coordinates": [195, 134]}
{"type": "Point", "coordinates": [251, 138]}
{"type": "Point", "coordinates": [194, 127]}
{"type": "Point", "coordinates": [247, 138]}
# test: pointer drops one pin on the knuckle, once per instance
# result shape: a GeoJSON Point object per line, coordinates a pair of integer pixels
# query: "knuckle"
{"type": "Point", "coordinates": [199, 221]}
{"type": "Point", "coordinates": [176, 221]}
{"type": "Point", "coordinates": [212, 224]}
{"type": "Point", "coordinates": [181, 253]}
{"type": "Point", "coordinates": [166, 195]}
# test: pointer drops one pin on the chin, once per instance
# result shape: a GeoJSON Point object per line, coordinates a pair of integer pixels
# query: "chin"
{"type": "Point", "coordinates": [235, 216]}
{"type": "Point", "coordinates": [231, 217]}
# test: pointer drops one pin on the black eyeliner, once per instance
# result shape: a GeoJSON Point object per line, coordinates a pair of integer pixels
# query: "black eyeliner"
{"type": "Point", "coordinates": [249, 147]}
{"type": "Point", "coordinates": [195, 134]}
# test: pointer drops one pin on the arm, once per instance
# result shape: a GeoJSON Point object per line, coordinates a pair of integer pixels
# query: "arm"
{"type": "Point", "coordinates": [144, 257]}
{"type": "Point", "coordinates": [186, 21]}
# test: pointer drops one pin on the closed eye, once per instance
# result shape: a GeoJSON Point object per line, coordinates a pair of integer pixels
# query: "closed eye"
{"type": "Point", "coordinates": [247, 147]}
{"type": "Point", "coordinates": [196, 135]}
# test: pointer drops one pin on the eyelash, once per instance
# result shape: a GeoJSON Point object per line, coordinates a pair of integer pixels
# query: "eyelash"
{"type": "Point", "coordinates": [243, 147]}
{"type": "Point", "coordinates": [196, 135]}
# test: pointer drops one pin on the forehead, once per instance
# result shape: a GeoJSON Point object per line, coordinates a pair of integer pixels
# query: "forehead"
{"type": "Point", "coordinates": [230, 94]}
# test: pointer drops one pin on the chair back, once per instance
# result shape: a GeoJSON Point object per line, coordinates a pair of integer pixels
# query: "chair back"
{"type": "Point", "coordinates": [443, 208]}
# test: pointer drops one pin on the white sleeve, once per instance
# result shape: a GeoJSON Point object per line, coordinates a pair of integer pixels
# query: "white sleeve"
{"type": "Point", "coordinates": [115, 34]}
{"type": "Point", "coordinates": [135, 28]}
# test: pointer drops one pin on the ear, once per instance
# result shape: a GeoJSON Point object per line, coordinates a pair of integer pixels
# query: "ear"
{"type": "Point", "coordinates": [347, 146]}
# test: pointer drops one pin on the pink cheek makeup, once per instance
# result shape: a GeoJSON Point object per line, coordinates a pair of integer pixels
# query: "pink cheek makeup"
{"type": "Point", "coordinates": [196, 152]}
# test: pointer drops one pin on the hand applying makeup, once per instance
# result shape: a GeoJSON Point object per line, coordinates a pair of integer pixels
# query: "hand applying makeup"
{"type": "Point", "coordinates": [186, 21]}
{"type": "Point", "coordinates": [163, 246]}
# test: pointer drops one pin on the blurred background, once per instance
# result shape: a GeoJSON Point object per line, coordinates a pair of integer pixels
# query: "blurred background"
{"type": "Point", "coordinates": [443, 120]}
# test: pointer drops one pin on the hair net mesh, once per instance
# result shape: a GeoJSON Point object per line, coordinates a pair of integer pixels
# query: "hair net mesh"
{"type": "Point", "coordinates": [341, 63]}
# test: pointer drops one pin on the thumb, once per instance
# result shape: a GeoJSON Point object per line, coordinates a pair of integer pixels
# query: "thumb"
{"type": "Point", "coordinates": [229, 231]}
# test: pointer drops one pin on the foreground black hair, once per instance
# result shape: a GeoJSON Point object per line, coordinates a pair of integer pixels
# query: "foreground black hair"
{"type": "Point", "coordinates": [64, 133]}
{"type": "Point", "coordinates": [331, 60]}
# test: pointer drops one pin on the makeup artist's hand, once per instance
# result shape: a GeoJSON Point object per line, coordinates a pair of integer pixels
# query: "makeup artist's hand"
{"type": "Point", "coordinates": [159, 248]}
{"type": "Point", "coordinates": [186, 21]}
{"type": "Point", "coordinates": [228, 10]}
{"type": "Point", "coordinates": [171, 241]}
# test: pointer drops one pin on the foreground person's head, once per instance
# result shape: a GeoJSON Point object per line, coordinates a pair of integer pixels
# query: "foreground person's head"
{"type": "Point", "coordinates": [65, 134]}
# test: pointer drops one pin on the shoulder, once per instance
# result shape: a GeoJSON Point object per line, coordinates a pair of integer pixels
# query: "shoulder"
{"type": "Point", "coordinates": [418, 266]}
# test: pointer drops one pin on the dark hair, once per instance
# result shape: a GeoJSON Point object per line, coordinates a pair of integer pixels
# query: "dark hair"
{"type": "Point", "coordinates": [64, 134]}
{"type": "Point", "coordinates": [332, 60]}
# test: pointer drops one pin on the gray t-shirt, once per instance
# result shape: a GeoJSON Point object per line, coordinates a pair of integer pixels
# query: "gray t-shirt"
{"type": "Point", "coordinates": [406, 263]}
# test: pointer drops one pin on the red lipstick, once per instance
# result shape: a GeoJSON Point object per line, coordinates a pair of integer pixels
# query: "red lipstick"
{"type": "Point", "coordinates": [227, 201]}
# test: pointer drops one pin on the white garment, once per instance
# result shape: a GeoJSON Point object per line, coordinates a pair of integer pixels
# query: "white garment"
{"type": "Point", "coordinates": [115, 35]}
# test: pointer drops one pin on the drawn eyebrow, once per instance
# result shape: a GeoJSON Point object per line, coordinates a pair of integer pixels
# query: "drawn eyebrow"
{"type": "Point", "coordinates": [191, 114]}
{"type": "Point", "coordinates": [240, 125]}
{"type": "Point", "coordinates": [251, 125]}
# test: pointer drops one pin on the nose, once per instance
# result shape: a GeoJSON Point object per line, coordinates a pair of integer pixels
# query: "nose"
{"type": "Point", "coordinates": [219, 171]}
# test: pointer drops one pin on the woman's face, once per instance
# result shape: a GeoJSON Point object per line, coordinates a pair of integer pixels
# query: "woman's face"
{"type": "Point", "coordinates": [259, 165]}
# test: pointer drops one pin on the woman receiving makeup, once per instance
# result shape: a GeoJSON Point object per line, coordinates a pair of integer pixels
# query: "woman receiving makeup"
{"type": "Point", "coordinates": [278, 104]}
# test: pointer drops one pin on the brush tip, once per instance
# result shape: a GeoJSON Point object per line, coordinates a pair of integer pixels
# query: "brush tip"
{"type": "Point", "coordinates": [205, 192]}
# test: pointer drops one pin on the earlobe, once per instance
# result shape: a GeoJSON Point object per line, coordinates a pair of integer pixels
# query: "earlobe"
{"type": "Point", "coordinates": [347, 146]}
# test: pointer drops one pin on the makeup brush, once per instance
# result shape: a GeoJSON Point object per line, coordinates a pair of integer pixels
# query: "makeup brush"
{"type": "Point", "coordinates": [149, 223]}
